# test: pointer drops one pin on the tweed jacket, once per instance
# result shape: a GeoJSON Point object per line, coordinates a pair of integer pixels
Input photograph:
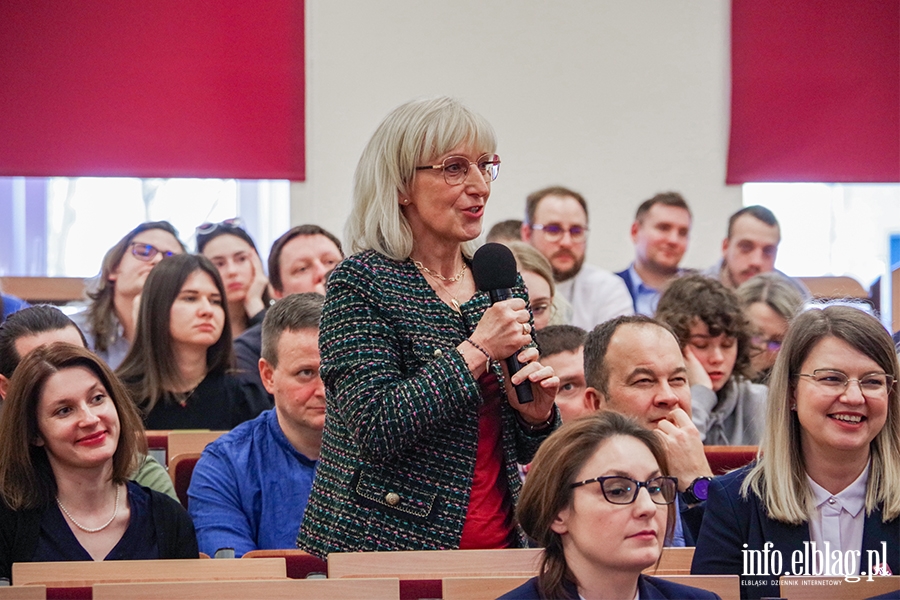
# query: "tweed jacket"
{"type": "Point", "coordinates": [401, 425]}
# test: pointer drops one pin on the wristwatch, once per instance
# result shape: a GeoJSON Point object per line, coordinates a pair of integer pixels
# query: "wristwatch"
{"type": "Point", "coordinates": [698, 491]}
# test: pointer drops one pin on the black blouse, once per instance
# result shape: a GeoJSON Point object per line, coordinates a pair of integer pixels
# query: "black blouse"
{"type": "Point", "coordinates": [220, 402]}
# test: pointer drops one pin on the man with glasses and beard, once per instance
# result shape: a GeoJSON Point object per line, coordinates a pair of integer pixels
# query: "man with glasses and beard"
{"type": "Point", "coordinates": [556, 225]}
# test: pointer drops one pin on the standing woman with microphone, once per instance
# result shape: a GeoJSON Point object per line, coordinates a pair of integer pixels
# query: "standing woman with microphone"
{"type": "Point", "coordinates": [424, 427]}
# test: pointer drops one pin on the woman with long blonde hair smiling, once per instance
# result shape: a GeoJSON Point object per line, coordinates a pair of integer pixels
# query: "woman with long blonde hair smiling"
{"type": "Point", "coordinates": [829, 464]}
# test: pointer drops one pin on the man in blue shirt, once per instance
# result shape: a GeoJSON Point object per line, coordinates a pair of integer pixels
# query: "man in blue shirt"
{"type": "Point", "coordinates": [249, 489]}
{"type": "Point", "coordinates": [660, 232]}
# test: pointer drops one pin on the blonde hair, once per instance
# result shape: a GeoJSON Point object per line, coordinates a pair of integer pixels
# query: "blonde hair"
{"type": "Point", "coordinates": [779, 477]}
{"type": "Point", "coordinates": [411, 135]}
{"type": "Point", "coordinates": [773, 290]}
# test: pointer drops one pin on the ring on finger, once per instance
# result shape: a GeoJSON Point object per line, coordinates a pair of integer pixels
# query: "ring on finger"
{"type": "Point", "coordinates": [525, 329]}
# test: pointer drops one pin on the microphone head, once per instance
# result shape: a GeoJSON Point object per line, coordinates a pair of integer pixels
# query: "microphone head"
{"type": "Point", "coordinates": [494, 267]}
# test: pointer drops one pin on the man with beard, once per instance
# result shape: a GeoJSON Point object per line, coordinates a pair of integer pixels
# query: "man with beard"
{"type": "Point", "coordinates": [556, 225]}
{"type": "Point", "coordinates": [660, 232]}
{"type": "Point", "coordinates": [750, 249]}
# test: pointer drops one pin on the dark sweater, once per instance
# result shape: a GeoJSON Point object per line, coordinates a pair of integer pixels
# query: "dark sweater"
{"type": "Point", "coordinates": [220, 402]}
{"type": "Point", "coordinates": [20, 531]}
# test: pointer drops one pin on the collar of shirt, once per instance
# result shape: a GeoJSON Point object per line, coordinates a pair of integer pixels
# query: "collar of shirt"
{"type": "Point", "coordinates": [852, 498]}
{"type": "Point", "coordinates": [281, 439]}
{"type": "Point", "coordinates": [638, 283]}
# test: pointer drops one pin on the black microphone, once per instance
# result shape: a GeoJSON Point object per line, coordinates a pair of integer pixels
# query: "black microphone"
{"type": "Point", "coordinates": [494, 270]}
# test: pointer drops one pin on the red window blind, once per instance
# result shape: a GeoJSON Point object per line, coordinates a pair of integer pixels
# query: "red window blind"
{"type": "Point", "coordinates": [815, 91]}
{"type": "Point", "coordinates": [165, 88]}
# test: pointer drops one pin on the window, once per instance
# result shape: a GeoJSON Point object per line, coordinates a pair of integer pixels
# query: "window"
{"type": "Point", "coordinates": [63, 226]}
{"type": "Point", "coordinates": [832, 229]}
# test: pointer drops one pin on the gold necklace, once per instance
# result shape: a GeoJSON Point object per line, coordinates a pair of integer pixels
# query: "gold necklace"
{"type": "Point", "coordinates": [458, 276]}
{"type": "Point", "coordinates": [95, 529]}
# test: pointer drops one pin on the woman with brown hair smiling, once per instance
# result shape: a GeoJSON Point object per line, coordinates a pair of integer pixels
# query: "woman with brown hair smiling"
{"type": "Point", "coordinates": [69, 438]}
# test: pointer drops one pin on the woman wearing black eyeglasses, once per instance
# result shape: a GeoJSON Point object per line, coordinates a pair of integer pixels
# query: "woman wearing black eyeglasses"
{"type": "Point", "coordinates": [109, 321]}
{"type": "Point", "coordinates": [424, 430]}
{"type": "Point", "coordinates": [828, 474]}
{"type": "Point", "coordinates": [178, 370]}
{"type": "Point", "coordinates": [598, 498]}
{"type": "Point", "coordinates": [232, 250]}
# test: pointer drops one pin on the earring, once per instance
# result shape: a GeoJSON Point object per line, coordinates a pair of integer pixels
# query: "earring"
{"type": "Point", "coordinates": [794, 407]}
{"type": "Point", "coordinates": [405, 201]}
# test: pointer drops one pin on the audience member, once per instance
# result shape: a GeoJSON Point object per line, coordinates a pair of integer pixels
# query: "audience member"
{"type": "Point", "coordinates": [68, 440]}
{"type": "Point", "coordinates": [582, 502]}
{"type": "Point", "coordinates": [770, 301]}
{"type": "Point", "coordinates": [562, 349]}
{"type": "Point", "coordinates": [109, 320]}
{"type": "Point", "coordinates": [506, 231]}
{"type": "Point", "coordinates": [546, 306]}
{"type": "Point", "coordinates": [424, 430]}
{"type": "Point", "coordinates": [232, 251]}
{"type": "Point", "coordinates": [633, 365]}
{"type": "Point", "coordinates": [727, 408]}
{"type": "Point", "coordinates": [177, 369]}
{"type": "Point", "coordinates": [556, 224]}
{"type": "Point", "coordinates": [250, 487]}
{"type": "Point", "coordinates": [750, 249]}
{"type": "Point", "coordinates": [660, 233]}
{"type": "Point", "coordinates": [40, 325]}
{"type": "Point", "coordinates": [300, 261]}
{"type": "Point", "coordinates": [28, 329]}
{"type": "Point", "coordinates": [828, 474]}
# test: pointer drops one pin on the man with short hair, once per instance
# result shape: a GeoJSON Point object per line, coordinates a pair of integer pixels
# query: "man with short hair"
{"type": "Point", "coordinates": [556, 223]}
{"type": "Point", "coordinates": [634, 365]}
{"type": "Point", "coordinates": [750, 249]}
{"type": "Point", "coordinates": [505, 232]}
{"type": "Point", "coordinates": [562, 347]}
{"type": "Point", "coordinates": [299, 262]}
{"type": "Point", "coordinates": [250, 487]}
{"type": "Point", "coordinates": [36, 326]}
{"type": "Point", "coordinates": [30, 328]}
{"type": "Point", "coordinates": [660, 233]}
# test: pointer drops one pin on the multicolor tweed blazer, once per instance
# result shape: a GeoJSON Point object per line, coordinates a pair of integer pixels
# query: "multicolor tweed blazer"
{"type": "Point", "coordinates": [401, 425]}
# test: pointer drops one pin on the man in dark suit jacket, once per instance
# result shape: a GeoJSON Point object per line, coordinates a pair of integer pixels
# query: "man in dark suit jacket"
{"type": "Point", "coordinates": [660, 233]}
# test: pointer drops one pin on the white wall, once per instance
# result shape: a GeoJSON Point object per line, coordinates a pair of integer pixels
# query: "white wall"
{"type": "Point", "coordinates": [618, 99]}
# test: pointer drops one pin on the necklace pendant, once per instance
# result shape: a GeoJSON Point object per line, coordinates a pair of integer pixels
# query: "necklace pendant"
{"type": "Point", "coordinates": [455, 304]}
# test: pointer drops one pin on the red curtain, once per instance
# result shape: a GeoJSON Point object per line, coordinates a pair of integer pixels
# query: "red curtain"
{"type": "Point", "coordinates": [152, 88]}
{"type": "Point", "coordinates": [815, 91]}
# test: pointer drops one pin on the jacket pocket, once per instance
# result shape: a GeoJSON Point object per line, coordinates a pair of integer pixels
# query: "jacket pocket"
{"type": "Point", "coordinates": [399, 498]}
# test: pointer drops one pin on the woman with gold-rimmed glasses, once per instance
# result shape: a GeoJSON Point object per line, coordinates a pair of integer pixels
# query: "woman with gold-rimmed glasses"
{"type": "Point", "coordinates": [423, 431]}
{"type": "Point", "coordinates": [829, 468]}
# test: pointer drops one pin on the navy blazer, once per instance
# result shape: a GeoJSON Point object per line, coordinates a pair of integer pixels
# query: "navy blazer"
{"type": "Point", "coordinates": [731, 521]}
{"type": "Point", "coordinates": [627, 279]}
{"type": "Point", "coordinates": [649, 588]}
